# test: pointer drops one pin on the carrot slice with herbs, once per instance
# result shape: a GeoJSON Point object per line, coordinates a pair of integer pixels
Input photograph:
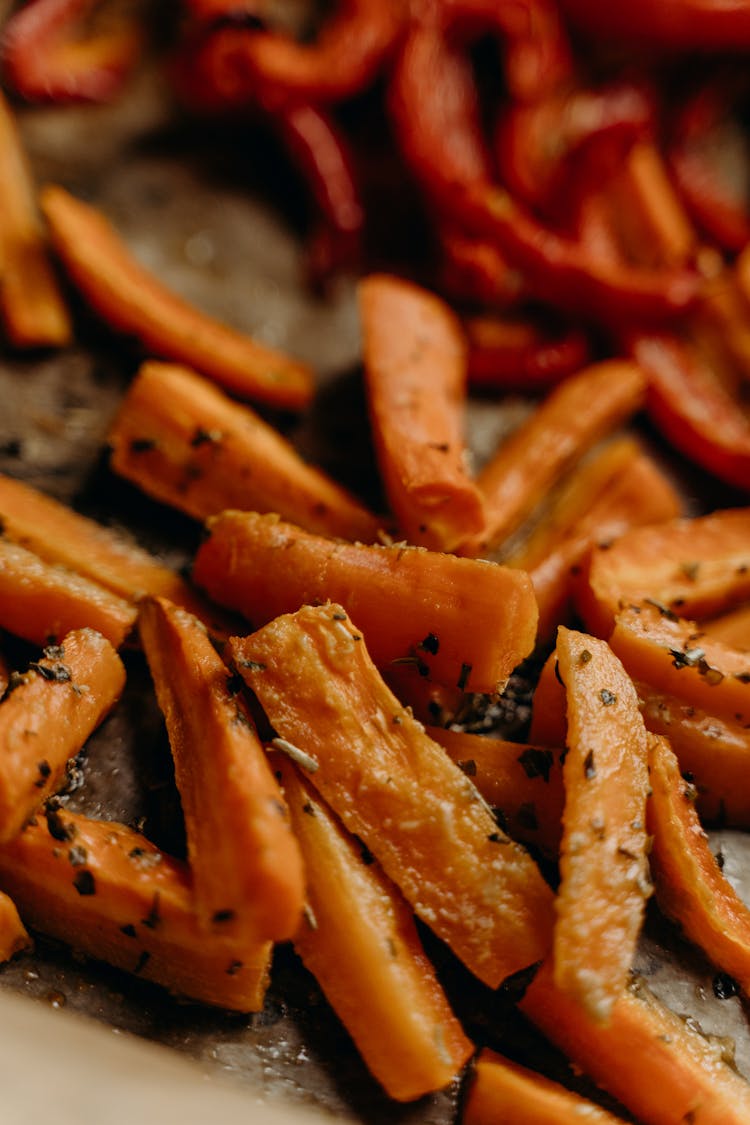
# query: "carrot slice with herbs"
{"type": "Point", "coordinates": [40, 602]}
{"type": "Point", "coordinates": [570, 421]}
{"type": "Point", "coordinates": [47, 718]}
{"type": "Point", "coordinates": [501, 1090]}
{"type": "Point", "coordinates": [549, 725]}
{"type": "Point", "coordinates": [182, 441]}
{"type": "Point", "coordinates": [732, 628]}
{"type": "Point", "coordinates": [360, 942]}
{"type": "Point", "coordinates": [412, 605]}
{"type": "Point", "coordinates": [604, 880]}
{"type": "Point", "coordinates": [397, 790]}
{"type": "Point", "coordinates": [109, 893]}
{"type": "Point", "coordinates": [415, 373]}
{"type": "Point", "coordinates": [32, 308]}
{"type": "Point", "coordinates": [13, 934]}
{"type": "Point", "coordinates": [653, 225]}
{"type": "Point", "coordinates": [657, 1065]}
{"type": "Point", "coordinates": [246, 864]}
{"type": "Point", "coordinates": [133, 301]}
{"type": "Point", "coordinates": [689, 885]}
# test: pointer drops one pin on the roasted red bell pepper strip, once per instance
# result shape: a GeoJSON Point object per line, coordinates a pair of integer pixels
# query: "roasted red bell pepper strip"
{"type": "Point", "coordinates": [517, 354]}
{"type": "Point", "coordinates": [44, 58]}
{"type": "Point", "coordinates": [674, 25]}
{"type": "Point", "coordinates": [475, 271]}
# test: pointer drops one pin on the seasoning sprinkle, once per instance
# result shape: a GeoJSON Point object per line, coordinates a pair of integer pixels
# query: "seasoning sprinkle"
{"type": "Point", "coordinates": [84, 882]}
{"type": "Point", "coordinates": [300, 757]}
{"type": "Point", "coordinates": [463, 679]}
{"type": "Point", "coordinates": [607, 697]}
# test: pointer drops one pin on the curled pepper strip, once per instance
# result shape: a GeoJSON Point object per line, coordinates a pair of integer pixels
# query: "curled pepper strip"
{"type": "Point", "coordinates": [44, 59]}
{"type": "Point", "coordinates": [674, 25]}
{"type": "Point", "coordinates": [517, 354]}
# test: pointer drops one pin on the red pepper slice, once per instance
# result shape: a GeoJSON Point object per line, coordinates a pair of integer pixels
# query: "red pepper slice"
{"type": "Point", "coordinates": [475, 271]}
{"type": "Point", "coordinates": [701, 25]}
{"type": "Point", "coordinates": [517, 354]}
{"type": "Point", "coordinates": [44, 58]}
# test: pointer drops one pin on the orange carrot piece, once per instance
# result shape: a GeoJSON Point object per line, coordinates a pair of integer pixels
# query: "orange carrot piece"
{"type": "Point", "coordinates": [549, 725]}
{"type": "Point", "coordinates": [246, 864]}
{"type": "Point", "coordinates": [133, 301]}
{"type": "Point", "coordinates": [415, 373]}
{"type": "Point", "coordinates": [673, 656]}
{"type": "Point", "coordinates": [652, 222]}
{"type": "Point", "coordinates": [430, 702]}
{"type": "Point", "coordinates": [47, 718]}
{"type": "Point", "coordinates": [695, 567]}
{"type": "Point", "coordinates": [109, 893]}
{"type": "Point", "coordinates": [4, 675]}
{"type": "Point", "coordinates": [651, 1060]}
{"type": "Point", "coordinates": [13, 935]}
{"type": "Point", "coordinates": [468, 623]}
{"type": "Point", "coordinates": [360, 942]}
{"type": "Point", "coordinates": [732, 628]}
{"type": "Point", "coordinates": [186, 444]}
{"type": "Point", "coordinates": [690, 887]}
{"type": "Point", "coordinates": [59, 535]}
{"type": "Point", "coordinates": [603, 866]}
{"type": "Point", "coordinates": [522, 784]}
{"type": "Point", "coordinates": [714, 752]}
{"type": "Point", "coordinates": [397, 790]}
{"type": "Point", "coordinates": [31, 305]}
{"type": "Point", "coordinates": [501, 1090]}
{"type": "Point", "coordinates": [40, 602]}
{"type": "Point", "coordinates": [576, 415]}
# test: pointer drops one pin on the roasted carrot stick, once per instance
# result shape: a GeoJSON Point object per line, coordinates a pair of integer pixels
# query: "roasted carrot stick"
{"type": "Point", "coordinates": [521, 783]}
{"type": "Point", "coordinates": [694, 567]}
{"type": "Point", "coordinates": [31, 305]}
{"type": "Point", "coordinates": [430, 702]}
{"type": "Point", "coordinates": [131, 300]}
{"type": "Point", "coordinates": [604, 880]}
{"type": "Point", "coordinates": [411, 604]}
{"type": "Point", "coordinates": [185, 443]}
{"type": "Point", "coordinates": [652, 223]}
{"type": "Point", "coordinates": [572, 419]}
{"type": "Point", "coordinates": [246, 863]}
{"type": "Point", "coordinates": [107, 892]}
{"type": "Point", "coordinates": [397, 790]}
{"type": "Point", "coordinates": [47, 718]}
{"type": "Point", "coordinates": [415, 372]}
{"type": "Point", "coordinates": [658, 1066]}
{"type": "Point", "coordinates": [732, 628]}
{"type": "Point", "coordinates": [673, 656]}
{"type": "Point", "coordinates": [690, 887]}
{"type": "Point", "coordinates": [549, 725]}
{"type": "Point", "coordinates": [360, 942]}
{"type": "Point", "coordinates": [40, 602]}
{"type": "Point", "coordinates": [61, 536]}
{"type": "Point", "coordinates": [13, 935]}
{"type": "Point", "coordinates": [501, 1090]}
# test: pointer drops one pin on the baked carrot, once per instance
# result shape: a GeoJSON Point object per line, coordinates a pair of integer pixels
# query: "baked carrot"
{"type": "Point", "coordinates": [430, 702]}
{"type": "Point", "coordinates": [109, 893]}
{"type": "Point", "coordinates": [182, 441]}
{"type": "Point", "coordinates": [246, 864]}
{"type": "Point", "coordinates": [13, 935]}
{"type": "Point", "coordinates": [397, 790]}
{"type": "Point", "coordinates": [4, 675]}
{"type": "Point", "coordinates": [570, 421]}
{"type": "Point", "coordinates": [653, 226]}
{"type": "Point", "coordinates": [673, 656]}
{"type": "Point", "coordinates": [522, 784]}
{"type": "Point", "coordinates": [469, 624]}
{"type": "Point", "coordinates": [657, 1065]}
{"type": "Point", "coordinates": [47, 718]}
{"type": "Point", "coordinates": [548, 713]}
{"type": "Point", "coordinates": [714, 752]}
{"type": "Point", "coordinates": [415, 374]}
{"type": "Point", "coordinates": [619, 489]}
{"type": "Point", "coordinates": [131, 300]}
{"type": "Point", "coordinates": [689, 885]}
{"type": "Point", "coordinates": [59, 535]}
{"type": "Point", "coordinates": [360, 942]}
{"type": "Point", "coordinates": [732, 628]}
{"type": "Point", "coordinates": [32, 308]}
{"type": "Point", "coordinates": [604, 880]}
{"type": "Point", "coordinates": [501, 1090]}
{"type": "Point", "coordinates": [40, 602]}
{"type": "Point", "coordinates": [694, 567]}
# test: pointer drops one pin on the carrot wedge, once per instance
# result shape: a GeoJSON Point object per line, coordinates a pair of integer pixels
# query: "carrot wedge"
{"type": "Point", "coordinates": [689, 885]}
{"type": "Point", "coordinates": [603, 866]}
{"type": "Point", "coordinates": [40, 602]}
{"type": "Point", "coordinates": [415, 372]}
{"type": "Point", "coordinates": [47, 718]}
{"type": "Point", "coordinates": [372, 968]}
{"type": "Point", "coordinates": [501, 1090]}
{"type": "Point", "coordinates": [186, 444]}
{"type": "Point", "coordinates": [31, 305]}
{"type": "Point", "coordinates": [109, 893]}
{"type": "Point", "coordinates": [658, 1066]}
{"type": "Point", "coordinates": [13, 934]}
{"type": "Point", "coordinates": [569, 422]}
{"type": "Point", "coordinates": [548, 721]}
{"type": "Point", "coordinates": [61, 536]}
{"type": "Point", "coordinates": [731, 628]}
{"type": "Point", "coordinates": [246, 863]}
{"type": "Point", "coordinates": [132, 301]}
{"type": "Point", "coordinates": [397, 790]}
